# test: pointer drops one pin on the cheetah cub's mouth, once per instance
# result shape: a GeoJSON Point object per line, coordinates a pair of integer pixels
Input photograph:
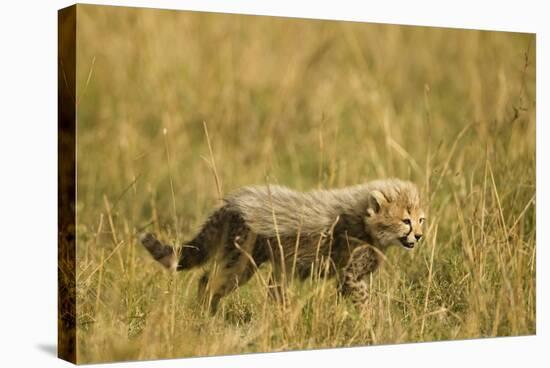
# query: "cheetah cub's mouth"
{"type": "Point", "coordinates": [407, 244]}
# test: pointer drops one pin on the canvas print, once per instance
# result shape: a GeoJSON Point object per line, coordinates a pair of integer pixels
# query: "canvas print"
{"type": "Point", "coordinates": [233, 184]}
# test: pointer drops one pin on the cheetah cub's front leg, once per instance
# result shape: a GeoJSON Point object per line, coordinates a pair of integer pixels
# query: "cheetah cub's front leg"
{"type": "Point", "coordinates": [362, 262]}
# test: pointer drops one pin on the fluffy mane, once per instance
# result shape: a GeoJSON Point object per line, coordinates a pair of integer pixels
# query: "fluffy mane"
{"type": "Point", "coordinates": [314, 211]}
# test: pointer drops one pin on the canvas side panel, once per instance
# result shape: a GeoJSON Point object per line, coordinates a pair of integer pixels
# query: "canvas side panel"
{"type": "Point", "coordinates": [66, 87]}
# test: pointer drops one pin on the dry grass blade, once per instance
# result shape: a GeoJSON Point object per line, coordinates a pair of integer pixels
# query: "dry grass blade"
{"type": "Point", "coordinates": [213, 163]}
{"type": "Point", "coordinates": [430, 276]}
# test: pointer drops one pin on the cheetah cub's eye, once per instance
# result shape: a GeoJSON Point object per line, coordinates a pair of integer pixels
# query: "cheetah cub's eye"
{"type": "Point", "coordinates": [407, 222]}
{"type": "Point", "coordinates": [421, 220]}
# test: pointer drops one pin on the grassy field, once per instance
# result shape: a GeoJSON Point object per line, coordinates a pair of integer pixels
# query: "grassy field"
{"type": "Point", "coordinates": [308, 104]}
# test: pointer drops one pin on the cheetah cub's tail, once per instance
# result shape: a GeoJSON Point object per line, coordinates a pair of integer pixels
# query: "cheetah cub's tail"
{"type": "Point", "coordinates": [164, 254]}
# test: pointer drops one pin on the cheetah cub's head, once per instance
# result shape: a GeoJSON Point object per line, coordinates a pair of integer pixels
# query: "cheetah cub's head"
{"type": "Point", "coordinates": [394, 215]}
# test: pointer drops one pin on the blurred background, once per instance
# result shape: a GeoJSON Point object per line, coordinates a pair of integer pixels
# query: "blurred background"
{"type": "Point", "coordinates": [307, 104]}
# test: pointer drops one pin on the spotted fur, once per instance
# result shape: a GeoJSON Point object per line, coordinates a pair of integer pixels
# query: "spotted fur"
{"type": "Point", "coordinates": [340, 232]}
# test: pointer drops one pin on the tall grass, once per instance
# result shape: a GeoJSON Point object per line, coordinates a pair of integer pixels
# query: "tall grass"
{"type": "Point", "coordinates": [176, 109]}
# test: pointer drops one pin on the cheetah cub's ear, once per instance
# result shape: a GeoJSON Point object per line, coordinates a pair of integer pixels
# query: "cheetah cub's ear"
{"type": "Point", "coordinates": [375, 202]}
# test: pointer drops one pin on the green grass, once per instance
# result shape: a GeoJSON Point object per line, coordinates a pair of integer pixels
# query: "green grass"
{"type": "Point", "coordinates": [306, 104]}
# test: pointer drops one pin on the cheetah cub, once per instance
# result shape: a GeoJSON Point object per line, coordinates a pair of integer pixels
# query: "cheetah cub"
{"type": "Point", "coordinates": [341, 233]}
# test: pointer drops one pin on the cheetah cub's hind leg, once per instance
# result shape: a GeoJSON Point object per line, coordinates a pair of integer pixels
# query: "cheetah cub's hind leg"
{"type": "Point", "coordinates": [164, 254]}
{"type": "Point", "coordinates": [233, 266]}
